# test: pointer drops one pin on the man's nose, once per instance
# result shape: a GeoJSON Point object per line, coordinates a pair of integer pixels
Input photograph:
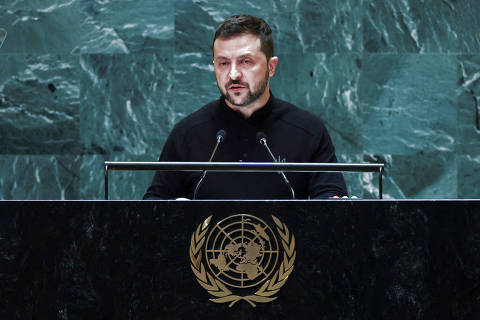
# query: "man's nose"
{"type": "Point", "coordinates": [235, 74]}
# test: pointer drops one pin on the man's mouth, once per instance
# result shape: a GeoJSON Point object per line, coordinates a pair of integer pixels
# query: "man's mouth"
{"type": "Point", "coordinates": [236, 87]}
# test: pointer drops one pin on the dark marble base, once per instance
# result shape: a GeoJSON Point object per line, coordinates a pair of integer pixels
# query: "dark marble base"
{"type": "Point", "coordinates": [130, 260]}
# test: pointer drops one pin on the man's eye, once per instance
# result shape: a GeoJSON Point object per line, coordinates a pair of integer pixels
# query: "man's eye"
{"type": "Point", "coordinates": [246, 61]}
{"type": "Point", "coordinates": [223, 64]}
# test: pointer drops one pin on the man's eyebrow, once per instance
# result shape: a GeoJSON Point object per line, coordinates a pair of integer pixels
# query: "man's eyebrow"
{"type": "Point", "coordinates": [247, 55]}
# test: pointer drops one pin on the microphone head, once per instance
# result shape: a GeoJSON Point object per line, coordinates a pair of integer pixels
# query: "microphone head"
{"type": "Point", "coordinates": [221, 135]}
{"type": "Point", "coordinates": [260, 136]}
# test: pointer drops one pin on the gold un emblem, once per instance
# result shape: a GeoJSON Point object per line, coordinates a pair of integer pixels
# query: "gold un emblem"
{"type": "Point", "coordinates": [241, 254]}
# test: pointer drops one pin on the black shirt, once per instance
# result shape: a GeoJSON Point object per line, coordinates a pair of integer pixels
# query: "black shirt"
{"type": "Point", "coordinates": [293, 134]}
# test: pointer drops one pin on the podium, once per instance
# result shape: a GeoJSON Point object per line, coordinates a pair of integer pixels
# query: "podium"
{"type": "Point", "coordinates": [354, 259]}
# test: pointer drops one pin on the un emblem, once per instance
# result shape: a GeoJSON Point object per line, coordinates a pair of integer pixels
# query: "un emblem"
{"type": "Point", "coordinates": [242, 254]}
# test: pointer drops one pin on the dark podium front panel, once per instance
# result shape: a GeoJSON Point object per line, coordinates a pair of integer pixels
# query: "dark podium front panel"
{"type": "Point", "coordinates": [136, 259]}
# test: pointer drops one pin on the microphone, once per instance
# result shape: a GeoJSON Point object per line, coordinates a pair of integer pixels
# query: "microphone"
{"type": "Point", "coordinates": [262, 138]}
{"type": "Point", "coordinates": [220, 137]}
{"type": "Point", "coordinates": [3, 35]}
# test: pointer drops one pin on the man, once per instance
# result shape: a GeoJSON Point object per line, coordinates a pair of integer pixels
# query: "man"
{"type": "Point", "coordinates": [244, 63]}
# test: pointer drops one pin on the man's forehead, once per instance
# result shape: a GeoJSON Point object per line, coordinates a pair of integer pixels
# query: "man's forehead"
{"type": "Point", "coordinates": [241, 45]}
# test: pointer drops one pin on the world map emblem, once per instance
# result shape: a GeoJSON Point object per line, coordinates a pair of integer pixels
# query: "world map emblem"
{"type": "Point", "coordinates": [241, 258]}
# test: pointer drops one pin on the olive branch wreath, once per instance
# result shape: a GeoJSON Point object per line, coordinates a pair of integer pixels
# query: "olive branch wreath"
{"type": "Point", "coordinates": [216, 288]}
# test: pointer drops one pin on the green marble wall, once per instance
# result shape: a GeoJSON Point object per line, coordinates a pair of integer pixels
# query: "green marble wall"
{"type": "Point", "coordinates": [83, 81]}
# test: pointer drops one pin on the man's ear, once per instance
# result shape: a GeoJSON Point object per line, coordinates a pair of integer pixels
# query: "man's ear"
{"type": "Point", "coordinates": [272, 66]}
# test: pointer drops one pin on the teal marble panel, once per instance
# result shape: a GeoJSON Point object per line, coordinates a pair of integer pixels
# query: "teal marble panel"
{"type": "Point", "coordinates": [469, 175]}
{"type": "Point", "coordinates": [299, 26]}
{"type": "Point", "coordinates": [195, 83]}
{"type": "Point", "coordinates": [126, 26]}
{"type": "Point", "coordinates": [91, 172]}
{"type": "Point", "coordinates": [35, 177]}
{"type": "Point", "coordinates": [468, 146]}
{"type": "Point", "coordinates": [408, 103]}
{"type": "Point", "coordinates": [123, 185]}
{"type": "Point", "coordinates": [363, 185]}
{"type": "Point", "coordinates": [469, 103]}
{"type": "Point", "coordinates": [427, 26]}
{"type": "Point", "coordinates": [41, 26]}
{"type": "Point", "coordinates": [85, 26]}
{"type": "Point", "coordinates": [420, 176]}
{"type": "Point", "coordinates": [329, 26]}
{"type": "Point", "coordinates": [39, 103]}
{"type": "Point", "coordinates": [417, 176]}
{"type": "Point", "coordinates": [126, 103]}
{"type": "Point", "coordinates": [326, 85]}
{"type": "Point", "coordinates": [195, 24]}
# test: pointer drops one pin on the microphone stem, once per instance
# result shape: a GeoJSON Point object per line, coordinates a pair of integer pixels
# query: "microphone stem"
{"type": "Point", "coordinates": [198, 184]}
{"type": "Point", "coordinates": [264, 142]}
{"type": "Point", "coordinates": [219, 139]}
{"type": "Point", "coordinates": [204, 173]}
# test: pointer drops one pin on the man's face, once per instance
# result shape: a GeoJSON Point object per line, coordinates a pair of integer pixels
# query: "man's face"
{"type": "Point", "coordinates": [241, 69]}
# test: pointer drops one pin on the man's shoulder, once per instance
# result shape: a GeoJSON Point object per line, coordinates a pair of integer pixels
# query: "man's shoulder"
{"type": "Point", "coordinates": [197, 118]}
{"type": "Point", "coordinates": [299, 118]}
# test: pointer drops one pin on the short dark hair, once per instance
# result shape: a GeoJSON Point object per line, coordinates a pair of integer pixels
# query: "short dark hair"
{"type": "Point", "coordinates": [246, 24]}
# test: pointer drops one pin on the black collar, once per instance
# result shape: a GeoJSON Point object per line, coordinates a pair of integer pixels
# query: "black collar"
{"type": "Point", "coordinates": [256, 119]}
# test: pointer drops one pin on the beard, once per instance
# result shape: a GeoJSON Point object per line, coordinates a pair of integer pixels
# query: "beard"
{"type": "Point", "coordinates": [258, 90]}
